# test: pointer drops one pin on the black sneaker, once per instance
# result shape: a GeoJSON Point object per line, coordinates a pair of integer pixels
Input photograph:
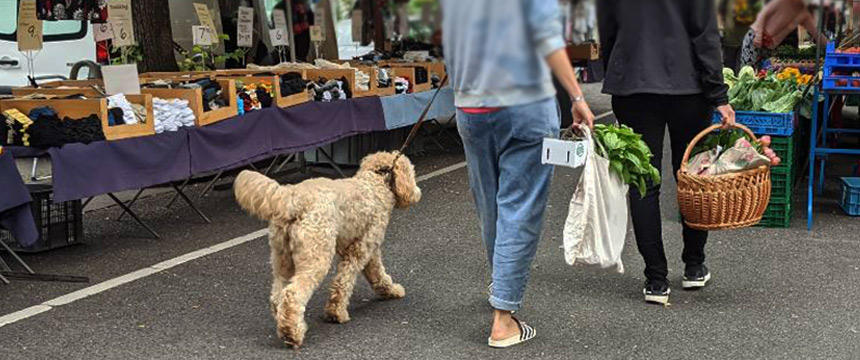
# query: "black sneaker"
{"type": "Point", "coordinates": [695, 277]}
{"type": "Point", "coordinates": [656, 292]}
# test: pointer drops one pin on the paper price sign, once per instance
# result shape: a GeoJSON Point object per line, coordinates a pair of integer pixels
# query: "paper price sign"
{"type": "Point", "coordinates": [278, 37]}
{"type": "Point", "coordinates": [316, 33]}
{"type": "Point", "coordinates": [245, 27]}
{"type": "Point", "coordinates": [119, 17]}
{"type": "Point", "coordinates": [123, 33]}
{"type": "Point", "coordinates": [29, 28]}
{"type": "Point", "coordinates": [206, 19]}
{"type": "Point", "coordinates": [319, 20]}
{"type": "Point", "coordinates": [279, 19]}
{"type": "Point", "coordinates": [102, 32]}
{"type": "Point", "coordinates": [202, 35]}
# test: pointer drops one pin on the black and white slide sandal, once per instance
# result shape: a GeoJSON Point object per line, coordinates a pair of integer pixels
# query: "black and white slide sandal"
{"type": "Point", "coordinates": [526, 333]}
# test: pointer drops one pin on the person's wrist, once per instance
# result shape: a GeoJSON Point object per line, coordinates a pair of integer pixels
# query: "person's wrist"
{"type": "Point", "coordinates": [577, 98]}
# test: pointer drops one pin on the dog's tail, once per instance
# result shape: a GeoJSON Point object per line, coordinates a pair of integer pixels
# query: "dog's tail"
{"type": "Point", "coordinates": [263, 197]}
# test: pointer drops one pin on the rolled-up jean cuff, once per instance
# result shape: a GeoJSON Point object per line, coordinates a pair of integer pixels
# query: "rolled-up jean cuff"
{"type": "Point", "coordinates": [500, 304]}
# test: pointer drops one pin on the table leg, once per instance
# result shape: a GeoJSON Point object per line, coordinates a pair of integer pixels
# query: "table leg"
{"type": "Point", "coordinates": [133, 215]}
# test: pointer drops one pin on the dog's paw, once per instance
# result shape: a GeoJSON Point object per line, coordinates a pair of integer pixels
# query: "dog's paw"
{"type": "Point", "coordinates": [395, 291]}
{"type": "Point", "coordinates": [336, 315]}
{"type": "Point", "coordinates": [293, 334]}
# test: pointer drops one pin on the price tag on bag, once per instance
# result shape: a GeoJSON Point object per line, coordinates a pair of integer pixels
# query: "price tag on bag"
{"type": "Point", "coordinates": [202, 35]}
{"type": "Point", "coordinates": [564, 152]}
{"type": "Point", "coordinates": [316, 33]}
{"type": "Point", "coordinates": [245, 27]}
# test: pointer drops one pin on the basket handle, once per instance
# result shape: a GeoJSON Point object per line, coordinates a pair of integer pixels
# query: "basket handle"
{"type": "Point", "coordinates": [705, 132]}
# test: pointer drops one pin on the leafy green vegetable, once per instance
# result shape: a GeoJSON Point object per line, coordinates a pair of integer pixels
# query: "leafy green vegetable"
{"type": "Point", "coordinates": [770, 91]}
{"type": "Point", "coordinates": [629, 156]}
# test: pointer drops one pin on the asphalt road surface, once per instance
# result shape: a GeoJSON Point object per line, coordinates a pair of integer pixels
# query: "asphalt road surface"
{"type": "Point", "coordinates": [775, 294]}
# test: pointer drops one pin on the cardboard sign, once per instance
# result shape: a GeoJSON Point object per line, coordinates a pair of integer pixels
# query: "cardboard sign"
{"type": "Point", "coordinates": [206, 19]}
{"type": "Point", "coordinates": [319, 19]}
{"type": "Point", "coordinates": [564, 152]}
{"type": "Point", "coordinates": [102, 32]}
{"type": "Point", "coordinates": [123, 32]}
{"type": "Point", "coordinates": [245, 27]}
{"type": "Point", "coordinates": [121, 79]}
{"type": "Point", "coordinates": [356, 25]}
{"type": "Point", "coordinates": [278, 37]}
{"type": "Point", "coordinates": [316, 33]}
{"type": "Point", "coordinates": [279, 19]}
{"type": "Point", "coordinates": [29, 28]}
{"type": "Point", "coordinates": [202, 35]}
{"type": "Point", "coordinates": [119, 16]}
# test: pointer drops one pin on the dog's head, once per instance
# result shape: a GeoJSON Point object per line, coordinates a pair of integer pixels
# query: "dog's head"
{"type": "Point", "coordinates": [401, 176]}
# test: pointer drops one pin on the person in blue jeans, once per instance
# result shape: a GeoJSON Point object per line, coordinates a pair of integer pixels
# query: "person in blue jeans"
{"type": "Point", "coordinates": [499, 55]}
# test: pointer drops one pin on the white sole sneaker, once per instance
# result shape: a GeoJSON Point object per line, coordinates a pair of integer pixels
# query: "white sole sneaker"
{"type": "Point", "coordinates": [695, 284]}
{"type": "Point", "coordinates": [657, 299]}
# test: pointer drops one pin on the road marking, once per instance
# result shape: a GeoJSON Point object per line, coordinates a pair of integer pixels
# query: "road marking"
{"type": "Point", "coordinates": [164, 265]}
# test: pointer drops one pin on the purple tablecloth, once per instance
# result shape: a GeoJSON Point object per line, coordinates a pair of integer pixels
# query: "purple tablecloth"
{"type": "Point", "coordinates": [15, 213]}
{"type": "Point", "coordinates": [264, 133]}
{"type": "Point", "coordinates": [101, 167]}
{"type": "Point", "coordinates": [83, 170]}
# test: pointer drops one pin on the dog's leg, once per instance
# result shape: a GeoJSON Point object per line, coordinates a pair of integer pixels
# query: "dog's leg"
{"type": "Point", "coordinates": [380, 280]}
{"type": "Point", "coordinates": [282, 265]}
{"type": "Point", "coordinates": [312, 251]}
{"type": "Point", "coordinates": [353, 258]}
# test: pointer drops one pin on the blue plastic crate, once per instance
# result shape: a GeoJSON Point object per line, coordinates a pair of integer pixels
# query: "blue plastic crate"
{"type": "Point", "coordinates": [851, 195]}
{"type": "Point", "coordinates": [763, 123]}
{"type": "Point", "coordinates": [837, 62]}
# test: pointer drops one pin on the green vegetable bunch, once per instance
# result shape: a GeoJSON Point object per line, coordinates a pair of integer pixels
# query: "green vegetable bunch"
{"type": "Point", "coordinates": [725, 139]}
{"type": "Point", "coordinates": [629, 156]}
{"type": "Point", "coordinates": [765, 93]}
{"type": "Point", "coordinates": [789, 52]}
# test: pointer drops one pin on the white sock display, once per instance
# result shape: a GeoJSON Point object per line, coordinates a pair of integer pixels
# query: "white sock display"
{"type": "Point", "coordinates": [172, 114]}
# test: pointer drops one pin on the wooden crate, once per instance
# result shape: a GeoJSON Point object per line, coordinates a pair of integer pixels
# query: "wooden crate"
{"type": "Point", "coordinates": [409, 72]}
{"type": "Point", "coordinates": [349, 74]}
{"type": "Point", "coordinates": [195, 101]}
{"type": "Point", "coordinates": [62, 92]}
{"type": "Point", "coordinates": [378, 91]}
{"type": "Point", "coordinates": [371, 91]}
{"type": "Point", "coordinates": [72, 83]}
{"type": "Point", "coordinates": [277, 99]}
{"type": "Point", "coordinates": [80, 108]}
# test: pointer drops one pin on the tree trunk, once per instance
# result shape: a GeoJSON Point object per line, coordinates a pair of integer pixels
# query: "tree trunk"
{"type": "Point", "coordinates": [153, 35]}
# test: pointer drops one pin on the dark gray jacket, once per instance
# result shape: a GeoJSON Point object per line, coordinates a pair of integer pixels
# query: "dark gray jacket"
{"type": "Point", "coordinates": [669, 47]}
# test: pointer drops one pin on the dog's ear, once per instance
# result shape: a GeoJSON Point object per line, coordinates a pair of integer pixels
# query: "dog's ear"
{"type": "Point", "coordinates": [406, 190]}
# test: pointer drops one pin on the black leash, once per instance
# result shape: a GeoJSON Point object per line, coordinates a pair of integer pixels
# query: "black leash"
{"type": "Point", "coordinates": [414, 130]}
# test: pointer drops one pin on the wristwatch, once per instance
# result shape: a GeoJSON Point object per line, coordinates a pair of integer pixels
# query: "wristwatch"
{"type": "Point", "coordinates": [575, 99]}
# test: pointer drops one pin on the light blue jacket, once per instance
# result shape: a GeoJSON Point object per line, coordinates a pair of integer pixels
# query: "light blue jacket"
{"type": "Point", "coordinates": [495, 50]}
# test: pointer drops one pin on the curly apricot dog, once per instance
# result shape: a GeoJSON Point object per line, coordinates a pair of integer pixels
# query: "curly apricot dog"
{"type": "Point", "coordinates": [311, 221]}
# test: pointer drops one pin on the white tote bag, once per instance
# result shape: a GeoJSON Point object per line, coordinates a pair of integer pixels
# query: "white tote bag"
{"type": "Point", "coordinates": [596, 222]}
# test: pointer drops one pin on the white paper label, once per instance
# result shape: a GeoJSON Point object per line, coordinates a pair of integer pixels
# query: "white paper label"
{"type": "Point", "coordinates": [102, 32]}
{"type": "Point", "coordinates": [121, 79]}
{"type": "Point", "coordinates": [316, 33]}
{"type": "Point", "coordinates": [278, 37]}
{"type": "Point", "coordinates": [202, 35]}
{"type": "Point", "coordinates": [245, 27]}
{"type": "Point", "coordinates": [564, 152]}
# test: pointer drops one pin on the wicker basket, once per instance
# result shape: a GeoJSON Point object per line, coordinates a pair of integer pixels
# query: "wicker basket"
{"type": "Point", "coordinates": [727, 201]}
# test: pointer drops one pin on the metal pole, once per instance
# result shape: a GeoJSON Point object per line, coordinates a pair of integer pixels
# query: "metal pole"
{"type": "Point", "coordinates": [289, 14]}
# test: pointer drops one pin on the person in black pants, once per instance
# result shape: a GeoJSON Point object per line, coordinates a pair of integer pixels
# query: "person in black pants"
{"type": "Point", "coordinates": [663, 67]}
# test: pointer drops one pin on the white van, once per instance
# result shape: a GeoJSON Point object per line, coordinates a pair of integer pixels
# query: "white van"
{"type": "Point", "coordinates": [65, 42]}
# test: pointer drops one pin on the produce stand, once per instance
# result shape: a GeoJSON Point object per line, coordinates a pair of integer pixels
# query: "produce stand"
{"type": "Point", "coordinates": [831, 89]}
